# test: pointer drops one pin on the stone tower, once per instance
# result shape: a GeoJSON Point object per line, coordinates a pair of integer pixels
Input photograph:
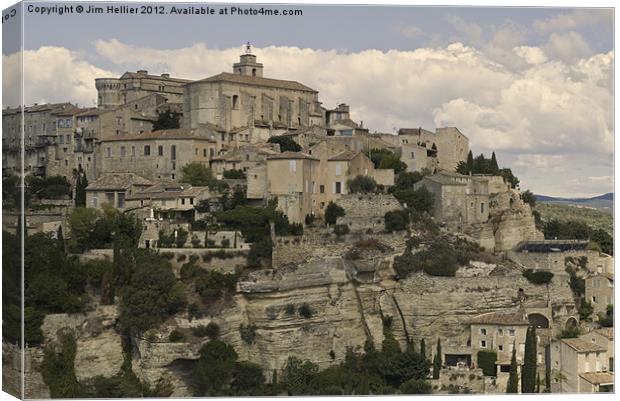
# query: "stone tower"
{"type": "Point", "coordinates": [247, 64]}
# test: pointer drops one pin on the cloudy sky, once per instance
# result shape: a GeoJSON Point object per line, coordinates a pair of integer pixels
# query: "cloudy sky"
{"type": "Point", "coordinates": [535, 85]}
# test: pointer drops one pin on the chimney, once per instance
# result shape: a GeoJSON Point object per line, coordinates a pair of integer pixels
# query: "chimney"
{"type": "Point", "coordinates": [165, 75]}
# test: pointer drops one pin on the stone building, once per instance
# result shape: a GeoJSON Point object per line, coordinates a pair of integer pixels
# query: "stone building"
{"type": "Point", "coordinates": [244, 98]}
{"type": "Point", "coordinates": [244, 158]}
{"type": "Point", "coordinates": [158, 154]}
{"type": "Point", "coordinates": [131, 86]}
{"type": "Point", "coordinates": [499, 332]}
{"type": "Point", "coordinates": [41, 126]}
{"type": "Point", "coordinates": [114, 188]}
{"type": "Point", "coordinates": [290, 176]}
{"type": "Point", "coordinates": [445, 148]}
{"type": "Point", "coordinates": [580, 365]}
{"type": "Point", "coordinates": [600, 291]}
{"type": "Point", "coordinates": [552, 255]}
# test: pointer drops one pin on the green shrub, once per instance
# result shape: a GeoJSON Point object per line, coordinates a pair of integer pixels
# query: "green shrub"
{"type": "Point", "coordinates": [570, 332]}
{"type": "Point", "coordinates": [226, 243]}
{"type": "Point", "coordinates": [305, 311]}
{"type": "Point", "coordinates": [486, 362]}
{"type": "Point", "coordinates": [332, 212]}
{"type": "Point", "coordinates": [362, 184]}
{"type": "Point", "coordinates": [538, 277]}
{"type": "Point", "coordinates": [396, 220]}
{"type": "Point", "coordinates": [181, 239]}
{"type": "Point", "coordinates": [341, 229]}
{"type": "Point", "coordinates": [416, 386]}
{"type": "Point", "coordinates": [585, 310]}
{"type": "Point", "coordinates": [248, 333]}
{"type": "Point", "coordinates": [167, 255]}
{"type": "Point", "coordinates": [195, 241]}
{"type": "Point", "coordinates": [176, 336]}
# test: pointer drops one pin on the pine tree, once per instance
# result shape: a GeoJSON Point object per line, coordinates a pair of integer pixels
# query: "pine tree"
{"type": "Point", "coordinates": [423, 349]}
{"type": "Point", "coordinates": [513, 378]}
{"type": "Point", "coordinates": [494, 165]}
{"type": "Point", "coordinates": [470, 162]}
{"type": "Point", "coordinates": [437, 361]}
{"type": "Point", "coordinates": [528, 373]}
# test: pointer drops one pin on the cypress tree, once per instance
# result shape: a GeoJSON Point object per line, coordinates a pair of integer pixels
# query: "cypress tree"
{"type": "Point", "coordinates": [80, 189]}
{"type": "Point", "coordinates": [528, 374]}
{"type": "Point", "coordinates": [513, 378]}
{"type": "Point", "coordinates": [437, 360]}
{"type": "Point", "coordinates": [547, 379]}
{"type": "Point", "coordinates": [60, 238]}
{"type": "Point", "coordinates": [538, 382]}
{"type": "Point", "coordinates": [470, 162]}
{"type": "Point", "coordinates": [494, 165]}
{"type": "Point", "coordinates": [423, 349]}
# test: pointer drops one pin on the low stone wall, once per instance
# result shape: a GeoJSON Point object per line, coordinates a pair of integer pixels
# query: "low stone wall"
{"type": "Point", "coordinates": [462, 380]}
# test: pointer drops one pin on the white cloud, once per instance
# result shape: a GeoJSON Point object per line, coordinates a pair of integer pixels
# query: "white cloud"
{"type": "Point", "coordinates": [51, 74]}
{"type": "Point", "coordinates": [542, 111]}
{"type": "Point", "coordinates": [569, 46]}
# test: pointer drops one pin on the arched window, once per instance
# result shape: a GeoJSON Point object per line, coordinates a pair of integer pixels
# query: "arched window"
{"type": "Point", "coordinates": [538, 320]}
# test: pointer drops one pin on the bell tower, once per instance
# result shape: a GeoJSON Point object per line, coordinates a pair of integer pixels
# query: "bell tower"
{"type": "Point", "coordinates": [247, 64]}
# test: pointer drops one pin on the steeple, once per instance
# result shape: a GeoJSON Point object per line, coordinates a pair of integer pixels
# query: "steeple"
{"type": "Point", "coordinates": [247, 64]}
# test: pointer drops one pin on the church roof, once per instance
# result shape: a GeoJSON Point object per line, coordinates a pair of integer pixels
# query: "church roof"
{"type": "Point", "coordinates": [258, 81]}
{"type": "Point", "coordinates": [129, 74]}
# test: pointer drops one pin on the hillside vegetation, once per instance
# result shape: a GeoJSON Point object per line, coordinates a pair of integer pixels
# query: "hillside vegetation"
{"type": "Point", "coordinates": [594, 218]}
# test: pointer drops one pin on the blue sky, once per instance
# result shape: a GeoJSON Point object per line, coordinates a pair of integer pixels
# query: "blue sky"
{"type": "Point", "coordinates": [532, 84]}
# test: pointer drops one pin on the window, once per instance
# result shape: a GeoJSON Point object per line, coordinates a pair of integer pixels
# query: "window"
{"type": "Point", "coordinates": [483, 332]}
{"type": "Point", "coordinates": [133, 150]}
{"type": "Point", "coordinates": [173, 176]}
{"type": "Point", "coordinates": [292, 166]}
{"type": "Point", "coordinates": [160, 150]}
{"type": "Point", "coordinates": [68, 138]}
{"type": "Point", "coordinates": [173, 152]}
{"type": "Point", "coordinates": [109, 151]}
{"type": "Point", "coordinates": [500, 332]}
{"type": "Point", "coordinates": [337, 187]}
{"type": "Point", "coordinates": [412, 155]}
{"type": "Point", "coordinates": [483, 344]}
{"type": "Point", "coordinates": [235, 101]}
{"type": "Point", "coordinates": [322, 189]}
{"type": "Point", "coordinates": [147, 150]}
{"type": "Point", "coordinates": [511, 332]}
{"type": "Point", "coordinates": [338, 169]}
{"type": "Point", "coordinates": [122, 151]}
{"type": "Point", "coordinates": [121, 200]}
{"type": "Point", "coordinates": [94, 201]}
{"type": "Point", "coordinates": [211, 152]}
{"type": "Point", "coordinates": [109, 196]}
{"type": "Point", "coordinates": [204, 153]}
{"type": "Point", "coordinates": [191, 201]}
{"type": "Point", "coordinates": [61, 139]}
{"type": "Point", "coordinates": [322, 205]}
{"type": "Point", "coordinates": [182, 201]}
{"type": "Point", "coordinates": [500, 347]}
{"type": "Point", "coordinates": [482, 207]}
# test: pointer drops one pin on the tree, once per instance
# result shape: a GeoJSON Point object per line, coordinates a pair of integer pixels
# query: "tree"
{"type": "Point", "coordinates": [332, 212]}
{"type": "Point", "coordinates": [405, 180]}
{"type": "Point", "coordinates": [247, 379]}
{"type": "Point", "coordinates": [181, 237]}
{"type": "Point", "coordinates": [494, 167]}
{"type": "Point", "coordinates": [82, 224]}
{"type": "Point", "coordinates": [486, 361]}
{"type": "Point", "coordinates": [437, 360]}
{"type": "Point", "coordinates": [298, 376]}
{"type": "Point", "coordinates": [286, 143]}
{"type": "Point", "coordinates": [420, 200]}
{"type": "Point", "coordinates": [197, 174]}
{"type": "Point", "coordinates": [392, 161]}
{"type": "Point", "coordinates": [529, 198]}
{"type": "Point", "coordinates": [167, 120]}
{"type": "Point", "coordinates": [604, 240]}
{"type": "Point", "coordinates": [416, 386]}
{"type": "Point", "coordinates": [80, 189]}
{"type": "Point", "coordinates": [470, 162]}
{"type": "Point", "coordinates": [607, 319]}
{"type": "Point", "coordinates": [513, 378]}
{"type": "Point", "coordinates": [214, 369]}
{"type": "Point", "coordinates": [396, 220]}
{"type": "Point", "coordinates": [362, 184]}
{"type": "Point", "coordinates": [528, 372]}
{"type": "Point", "coordinates": [423, 349]}
{"type": "Point", "coordinates": [234, 174]}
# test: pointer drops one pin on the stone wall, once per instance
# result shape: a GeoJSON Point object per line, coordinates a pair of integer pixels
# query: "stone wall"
{"type": "Point", "coordinates": [366, 212]}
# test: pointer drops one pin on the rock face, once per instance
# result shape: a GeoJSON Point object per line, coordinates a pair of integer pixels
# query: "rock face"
{"type": "Point", "coordinates": [346, 309]}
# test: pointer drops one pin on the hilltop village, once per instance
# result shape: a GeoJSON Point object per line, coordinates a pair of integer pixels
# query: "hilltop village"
{"type": "Point", "coordinates": [233, 236]}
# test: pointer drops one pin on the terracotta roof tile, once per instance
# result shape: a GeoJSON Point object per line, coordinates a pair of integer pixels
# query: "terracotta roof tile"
{"type": "Point", "coordinates": [118, 181]}
{"type": "Point", "coordinates": [598, 377]}
{"type": "Point", "coordinates": [511, 318]}
{"type": "Point", "coordinates": [582, 346]}
{"type": "Point", "coordinates": [291, 155]}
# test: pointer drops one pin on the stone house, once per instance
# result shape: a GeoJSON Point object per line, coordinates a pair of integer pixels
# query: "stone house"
{"type": "Point", "coordinates": [290, 176]}
{"type": "Point", "coordinates": [244, 158]}
{"type": "Point", "coordinates": [114, 189]}
{"type": "Point", "coordinates": [580, 366]}
{"type": "Point", "coordinates": [244, 98]}
{"type": "Point", "coordinates": [605, 338]}
{"type": "Point", "coordinates": [131, 86]}
{"type": "Point", "coordinates": [600, 291]}
{"type": "Point", "coordinates": [159, 154]}
{"type": "Point", "coordinates": [499, 332]}
{"type": "Point", "coordinates": [168, 200]}
{"type": "Point", "coordinates": [446, 147]}
{"type": "Point", "coordinates": [551, 255]}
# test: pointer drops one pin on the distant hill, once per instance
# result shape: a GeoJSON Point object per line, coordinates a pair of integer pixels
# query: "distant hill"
{"type": "Point", "coordinates": [603, 202]}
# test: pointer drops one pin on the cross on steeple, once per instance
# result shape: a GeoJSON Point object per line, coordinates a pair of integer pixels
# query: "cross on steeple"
{"type": "Point", "coordinates": [248, 48]}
